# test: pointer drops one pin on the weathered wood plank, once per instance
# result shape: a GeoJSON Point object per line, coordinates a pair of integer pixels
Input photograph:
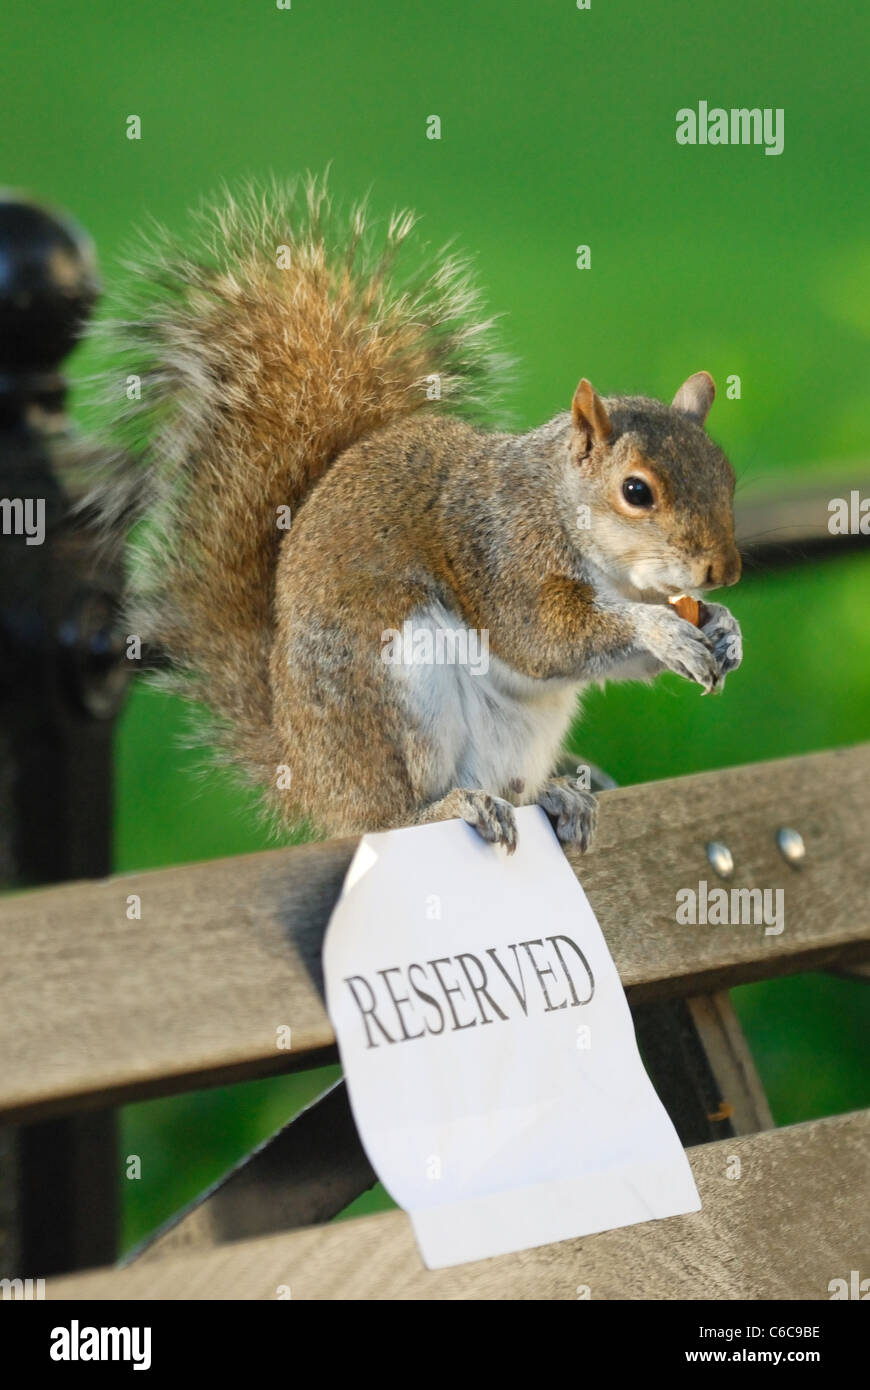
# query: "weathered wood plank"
{"type": "Point", "coordinates": [742, 1101]}
{"type": "Point", "coordinates": [796, 1218]}
{"type": "Point", "coordinates": [786, 526]}
{"type": "Point", "coordinates": [652, 843]}
{"type": "Point", "coordinates": [96, 1009]}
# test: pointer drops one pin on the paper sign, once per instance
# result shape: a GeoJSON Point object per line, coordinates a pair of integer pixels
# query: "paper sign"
{"type": "Point", "coordinates": [488, 1047]}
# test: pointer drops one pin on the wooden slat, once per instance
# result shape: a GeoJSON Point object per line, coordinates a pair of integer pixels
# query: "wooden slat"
{"type": "Point", "coordinates": [796, 1218]}
{"type": "Point", "coordinates": [97, 1009]}
{"type": "Point", "coordinates": [743, 1102]}
{"type": "Point", "coordinates": [787, 525]}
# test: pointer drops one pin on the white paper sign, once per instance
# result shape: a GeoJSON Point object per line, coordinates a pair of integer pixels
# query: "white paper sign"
{"type": "Point", "coordinates": [488, 1047]}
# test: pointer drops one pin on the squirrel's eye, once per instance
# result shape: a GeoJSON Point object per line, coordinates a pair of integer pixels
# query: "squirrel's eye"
{"type": "Point", "coordinates": [637, 492]}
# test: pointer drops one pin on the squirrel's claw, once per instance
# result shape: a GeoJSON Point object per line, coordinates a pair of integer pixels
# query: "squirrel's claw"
{"type": "Point", "coordinates": [722, 630]}
{"type": "Point", "coordinates": [573, 810]}
{"type": "Point", "coordinates": [492, 817]}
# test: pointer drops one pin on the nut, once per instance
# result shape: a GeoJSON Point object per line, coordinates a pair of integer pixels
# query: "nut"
{"type": "Point", "coordinates": [688, 608]}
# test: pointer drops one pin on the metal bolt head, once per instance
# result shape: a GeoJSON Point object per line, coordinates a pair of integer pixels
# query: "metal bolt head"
{"type": "Point", "coordinates": [791, 845]}
{"type": "Point", "coordinates": [721, 858]}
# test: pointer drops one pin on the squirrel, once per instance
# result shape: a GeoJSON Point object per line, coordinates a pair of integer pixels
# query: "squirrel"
{"type": "Point", "coordinates": [305, 485]}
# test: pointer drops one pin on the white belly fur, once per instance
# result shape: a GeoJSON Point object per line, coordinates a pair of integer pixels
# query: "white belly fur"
{"type": "Point", "coordinates": [485, 729]}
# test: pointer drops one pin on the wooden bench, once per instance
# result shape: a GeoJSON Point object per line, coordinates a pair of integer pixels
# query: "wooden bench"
{"type": "Point", "coordinates": [98, 1008]}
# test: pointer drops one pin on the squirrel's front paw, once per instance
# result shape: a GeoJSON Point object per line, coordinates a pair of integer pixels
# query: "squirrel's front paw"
{"type": "Point", "coordinates": [574, 810]}
{"type": "Point", "coordinates": [493, 818]}
{"type": "Point", "coordinates": [722, 630]}
{"type": "Point", "coordinates": [679, 646]}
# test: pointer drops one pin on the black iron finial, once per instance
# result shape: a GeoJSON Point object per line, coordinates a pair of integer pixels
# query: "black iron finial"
{"type": "Point", "coordinates": [48, 286]}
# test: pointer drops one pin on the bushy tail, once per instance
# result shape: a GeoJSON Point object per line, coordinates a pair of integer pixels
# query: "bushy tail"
{"type": "Point", "coordinates": [275, 337]}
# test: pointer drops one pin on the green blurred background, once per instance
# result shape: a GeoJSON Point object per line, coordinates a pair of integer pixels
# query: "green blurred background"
{"type": "Point", "coordinates": [557, 129]}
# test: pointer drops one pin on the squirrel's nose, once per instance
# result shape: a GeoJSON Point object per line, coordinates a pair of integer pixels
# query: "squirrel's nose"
{"type": "Point", "coordinates": [724, 570]}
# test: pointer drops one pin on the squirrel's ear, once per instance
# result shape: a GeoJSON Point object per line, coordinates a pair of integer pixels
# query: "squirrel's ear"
{"type": "Point", "coordinates": [695, 396]}
{"type": "Point", "coordinates": [591, 419]}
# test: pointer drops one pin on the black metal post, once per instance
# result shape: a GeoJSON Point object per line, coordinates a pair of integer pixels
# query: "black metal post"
{"type": "Point", "coordinates": [62, 680]}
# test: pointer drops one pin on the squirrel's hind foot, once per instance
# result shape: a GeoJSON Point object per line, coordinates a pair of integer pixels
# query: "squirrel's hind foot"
{"type": "Point", "coordinates": [492, 817]}
{"type": "Point", "coordinates": [573, 811]}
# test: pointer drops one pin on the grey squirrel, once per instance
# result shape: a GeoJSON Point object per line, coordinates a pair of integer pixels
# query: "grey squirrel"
{"type": "Point", "coordinates": [304, 499]}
